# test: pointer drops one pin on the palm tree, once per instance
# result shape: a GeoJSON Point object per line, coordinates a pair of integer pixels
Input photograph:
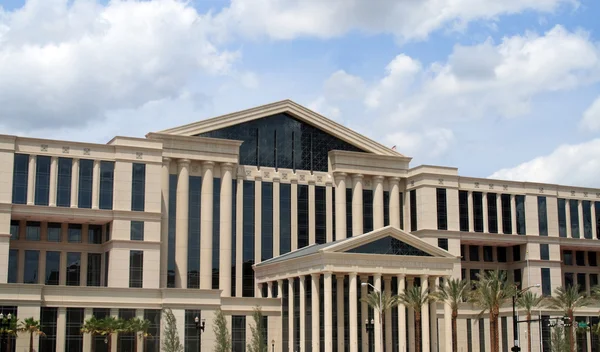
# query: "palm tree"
{"type": "Point", "coordinates": [381, 303]}
{"type": "Point", "coordinates": [31, 326]}
{"type": "Point", "coordinates": [414, 298]}
{"type": "Point", "coordinates": [136, 325]}
{"type": "Point", "coordinates": [92, 326]}
{"type": "Point", "coordinates": [568, 300]}
{"type": "Point", "coordinates": [491, 291]}
{"type": "Point", "coordinates": [10, 330]}
{"type": "Point", "coordinates": [110, 326]}
{"type": "Point", "coordinates": [528, 301]}
{"type": "Point", "coordinates": [453, 292]}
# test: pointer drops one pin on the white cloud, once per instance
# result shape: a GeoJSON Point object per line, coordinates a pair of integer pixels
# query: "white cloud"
{"type": "Point", "coordinates": [432, 142]}
{"type": "Point", "coordinates": [571, 164]}
{"type": "Point", "coordinates": [66, 63]}
{"type": "Point", "coordinates": [591, 117]}
{"type": "Point", "coordinates": [407, 19]}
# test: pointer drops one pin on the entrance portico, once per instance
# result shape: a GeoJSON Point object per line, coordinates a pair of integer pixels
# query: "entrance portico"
{"type": "Point", "coordinates": [377, 257]}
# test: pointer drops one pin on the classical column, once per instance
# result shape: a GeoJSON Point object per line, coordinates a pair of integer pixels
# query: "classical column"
{"type": "Point", "coordinates": [53, 179]}
{"type": "Point", "coordinates": [31, 179]}
{"type": "Point", "coordinates": [401, 316]}
{"type": "Point", "coordinates": [568, 217]}
{"type": "Point", "coordinates": [61, 328]}
{"type": "Point", "coordinates": [329, 211]}
{"type": "Point", "coordinates": [357, 204]}
{"type": "Point", "coordinates": [83, 264]}
{"type": "Point", "coordinates": [181, 223]}
{"type": "Point", "coordinates": [485, 213]}
{"type": "Point", "coordinates": [225, 208]}
{"type": "Point", "coordinates": [410, 341]}
{"type": "Point", "coordinates": [42, 268]}
{"type": "Point", "coordinates": [433, 331]}
{"type": "Point", "coordinates": [594, 225]}
{"type": "Point", "coordinates": [353, 314]}
{"type": "Point", "coordinates": [314, 311]}
{"type": "Point", "coordinates": [302, 280]}
{"type": "Point", "coordinates": [74, 182]}
{"type": "Point", "coordinates": [206, 225]}
{"type": "Point", "coordinates": [164, 222]}
{"type": "Point", "coordinates": [499, 212]}
{"type": "Point", "coordinates": [388, 314]}
{"type": "Point", "coordinates": [269, 289]}
{"type": "Point", "coordinates": [377, 202]}
{"type": "Point", "coordinates": [394, 201]}
{"type": "Point", "coordinates": [95, 184]}
{"type": "Point", "coordinates": [377, 315]}
{"type": "Point", "coordinates": [471, 212]}
{"type": "Point", "coordinates": [425, 315]}
{"type": "Point", "coordinates": [279, 288]}
{"type": "Point", "coordinates": [448, 323]}
{"type": "Point", "coordinates": [311, 213]}
{"type": "Point", "coordinates": [340, 205]}
{"type": "Point", "coordinates": [328, 311]}
{"type": "Point", "coordinates": [580, 219]}
{"type": "Point", "coordinates": [340, 291]}
{"type": "Point", "coordinates": [364, 313]}
{"type": "Point", "coordinates": [276, 215]}
{"type": "Point", "coordinates": [513, 213]}
{"type": "Point", "coordinates": [291, 330]}
{"type": "Point", "coordinates": [239, 235]}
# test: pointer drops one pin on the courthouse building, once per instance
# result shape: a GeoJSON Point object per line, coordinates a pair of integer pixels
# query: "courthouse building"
{"type": "Point", "coordinates": [277, 207]}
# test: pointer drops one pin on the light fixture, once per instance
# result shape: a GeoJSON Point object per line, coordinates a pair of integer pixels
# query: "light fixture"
{"type": "Point", "coordinates": [196, 320]}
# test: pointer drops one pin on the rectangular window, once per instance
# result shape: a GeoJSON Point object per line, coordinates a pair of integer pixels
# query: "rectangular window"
{"type": "Point", "coordinates": [107, 171]}
{"type": "Point", "coordinates": [193, 251]}
{"type": "Point", "coordinates": [544, 251]}
{"type": "Point", "coordinates": [54, 232]}
{"type": "Point", "coordinates": [443, 243]}
{"type": "Point", "coordinates": [474, 253]}
{"type": "Point", "coordinates": [136, 268]}
{"type": "Point", "coordinates": [94, 268]}
{"type": "Point", "coordinates": [562, 218]}
{"type": "Point", "coordinates": [504, 326]}
{"type": "Point", "coordinates": [32, 264]}
{"type": "Point", "coordinates": [574, 210]}
{"type": "Point", "coordinates": [137, 231]}
{"type": "Point", "coordinates": [138, 187]}
{"type": "Point", "coordinates": [481, 335]}
{"type": "Point", "coordinates": [248, 239]}
{"type": "Point", "coordinates": [191, 340]}
{"type": "Point", "coordinates": [546, 283]}
{"type": "Point", "coordinates": [592, 259]}
{"type": "Point", "coordinates": [238, 333]}
{"type": "Point", "coordinates": [73, 336]}
{"type": "Point", "coordinates": [568, 279]}
{"type": "Point", "coordinates": [266, 221]}
{"type": "Point", "coordinates": [520, 208]}
{"type": "Point", "coordinates": [285, 217]}
{"type": "Point", "coordinates": [106, 267]}
{"type": "Point", "coordinates": [48, 318]}
{"type": "Point", "coordinates": [86, 176]}
{"type": "Point", "coordinates": [469, 336]}
{"type": "Point", "coordinates": [488, 253]}
{"type": "Point", "coordinates": [413, 210]}
{"type": "Point", "coordinates": [32, 231]}
{"type": "Point", "coordinates": [74, 233]}
{"type": "Point", "coordinates": [63, 184]}
{"type": "Point", "coordinates": [386, 208]}
{"type": "Point", "coordinates": [581, 282]}
{"type": "Point", "coordinates": [152, 343]}
{"type": "Point", "coordinates": [73, 268]}
{"type": "Point", "coordinates": [597, 211]}
{"type": "Point", "coordinates": [20, 178]}
{"type": "Point", "coordinates": [348, 212]}
{"type": "Point", "coordinates": [506, 214]}
{"type": "Point", "coordinates": [172, 221]}
{"type": "Point", "coordinates": [126, 340]}
{"type": "Point", "coordinates": [516, 253]}
{"type": "Point", "coordinates": [321, 214]}
{"type": "Point", "coordinates": [234, 233]}
{"type": "Point", "coordinates": [492, 209]}
{"type": "Point", "coordinates": [587, 218]}
{"type": "Point", "coordinates": [501, 254]}
{"type": "Point", "coordinates": [302, 216]}
{"type": "Point", "coordinates": [98, 341]}
{"type": "Point", "coordinates": [42, 180]}
{"type": "Point", "coordinates": [402, 211]}
{"type": "Point", "coordinates": [517, 278]}
{"type": "Point", "coordinates": [474, 274]}
{"type": "Point", "coordinates": [95, 234]}
{"type": "Point", "coordinates": [367, 210]}
{"type": "Point", "coordinates": [52, 268]}
{"type": "Point", "coordinates": [478, 211]}
{"type": "Point", "coordinates": [593, 280]}
{"type": "Point", "coordinates": [216, 231]}
{"type": "Point", "coordinates": [14, 229]}
{"type": "Point", "coordinates": [442, 209]}
{"type": "Point", "coordinates": [463, 208]}
{"type": "Point", "coordinates": [580, 258]}
{"type": "Point", "coordinates": [462, 252]}
{"type": "Point", "coordinates": [13, 265]}
{"type": "Point", "coordinates": [542, 216]}
{"type": "Point", "coordinates": [568, 257]}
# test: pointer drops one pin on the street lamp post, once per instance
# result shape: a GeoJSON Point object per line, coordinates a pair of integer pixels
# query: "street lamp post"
{"type": "Point", "coordinates": [380, 308]}
{"type": "Point", "coordinates": [370, 326]}
{"type": "Point", "coordinates": [516, 347]}
{"type": "Point", "coordinates": [5, 325]}
{"type": "Point", "coordinates": [200, 325]}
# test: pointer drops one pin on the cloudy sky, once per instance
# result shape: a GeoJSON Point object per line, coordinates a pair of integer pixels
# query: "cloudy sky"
{"type": "Point", "coordinates": [508, 89]}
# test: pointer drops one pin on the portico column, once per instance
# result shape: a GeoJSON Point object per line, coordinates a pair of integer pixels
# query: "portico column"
{"type": "Point", "coordinates": [401, 316]}
{"type": "Point", "coordinates": [448, 324]}
{"type": "Point", "coordinates": [364, 313]}
{"type": "Point", "coordinates": [377, 315]}
{"type": "Point", "coordinates": [377, 202]}
{"type": "Point", "coordinates": [388, 314]}
{"type": "Point", "coordinates": [433, 334]}
{"type": "Point", "coordinates": [580, 220]}
{"type": "Point", "coordinates": [225, 230]}
{"type": "Point", "coordinates": [315, 314]}
{"type": "Point", "coordinates": [357, 204]}
{"type": "Point", "coordinates": [291, 314]}
{"type": "Point", "coordinates": [329, 211]}
{"type": "Point", "coordinates": [31, 179]}
{"type": "Point", "coordinates": [95, 184]}
{"type": "Point", "coordinates": [181, 223]}
{"type": "Point", "coordinates": [328, 311]}
{"type": "Point", "coordinates": [269, 289]}
{"type": "Point", "coordinates": [471, 212]}
{"type": "Point", "coordinates": [340, 309]}
{"type": "Point", "coordinates": [164, 222]}
{"type": "Point", "coordinates": [594, 228]}
{"type": "Point", "coordinates": [340, 205]}
{"type": "Point", "coordinates": [485, 213]}
{"type": "Point", "coordinates": [206, 226]}
{"type": "Point", "coordinates": [276, 216]}
{"type": "Point", "coordinates": [394, 201]}
{"type": "Point", "coordinates": [353, 314]}
{"type": "Point", "coordinates": [499, 212]}
{"type": "Point", "coordinates": [302, 280]}
{"type": "Point", "coordinates": [74, 182]}
{"type": "Point", "coordinates": [568, 218]}
{"type": "Point", "coordinates": [425, 315]}
{"type": "Point", "coordinates": [53, 178]}
{"type": "Point", "coordinates": [279, 288]}
{"type": "Point", "coordinates": [513, 213]}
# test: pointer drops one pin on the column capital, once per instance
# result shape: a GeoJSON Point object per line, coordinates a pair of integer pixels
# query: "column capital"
{"type": "Point", "coordinates": [357, 177]}
{"type": "Point", "coordinates": [377, 275]}
{"type": "Point", "coordinates": [401, 276]}
{"type": "Point", "coordinates": [394, 179]}
{"type": "Point", "coordinates": [315, 275]}
{"type": "Point", "coordinates": [276, 179]}
{"type": "Point", "coordinates": [353, 274]}
{"type": "Point", "coordinates": [183, 162]}
{"type": "Point", "coordinates": [208, 165]}
{"type": "Point", "coordinates": [258, 178]}
{"type": "Point", "coordinates": [226, 166]}
{"type": "Point", "coordinates": [387, 279]}
{"type": "Point", "coordinates": [339, 175]}
{"type": "Point", "coordinates": [166, 161]}
{"type": "Point", "coordinates": [424, 277]}
{"type": "Point", "coordinates": [311, 182]}
{"type": "Point", "coordinates": [378, 178]}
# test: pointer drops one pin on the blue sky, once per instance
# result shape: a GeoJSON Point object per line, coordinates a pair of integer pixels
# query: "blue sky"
{"type": "Point", "coordinates": [505, 89]}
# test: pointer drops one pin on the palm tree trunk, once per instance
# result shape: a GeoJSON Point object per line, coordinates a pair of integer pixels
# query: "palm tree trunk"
{"type": "Point", "coordinates": [493, 331]}
{"type": "Point", "coordinates": [93, 348]}
{"type": "Point", "coordinates": [572, 332]}
{"type": "Point", "coordinates": [528, 332]}
{"type": "Point", "coordinates": [135, 342]}
{"type": "Point", "coordinates": [30, 341]}
{"type": "Point", "coordinates": [454, 331]}
{"type": "Point", "coordinates": [417, 331]}
{"type": "Point", "coordinates": [109, 343]}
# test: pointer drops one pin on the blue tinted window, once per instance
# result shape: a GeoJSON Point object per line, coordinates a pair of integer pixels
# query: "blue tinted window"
{"type": "Point", "coordinates": [136, 268]}
{"type": "Point", "coordinates": [542, 216]}
{"type": "Point", "coordinates": [137, 231]}
{"type": "Point", "coordinates": [562, 218]}
{"type": "Point", "coordinates": [233, 233]}
{"type": "Point", "coordinates": [74, 233]}
{"type": "Point", "coordinates": [107, 171]}
{"type": "Point", "coordinates": [73, 336]}
{"type": "Point", "coordinates": [267, 221]}
{"type": "Point", "coordinates": [14, 229]}
{"type": "Point", "coordinates": [506, 214]}
{"type": "Point", "coordinates": [442, 209]}
{"type": "Point", "coordinates": [20, 176]}
{"type": "Point", "coordinates": [478, 211]}
{"type": "Point", "coordinates": [138, 187]}
{"type": "Point", "coordinates": [73, 269]}
{"type": "Point", "coordinates": [520, 208]}
{"type": "Point", "coordinates": [574, 209]}
{"type": "Point", "coordinates": [33, 231]}
{"type": "Point", "coordinates": [463, 210]}
{"type": "Point", "coordinates": [587, 218]}
{"type": "Point", "coordinates": [302, 216]}
{"type": "Point", "coordinates": [320, 214]}
{"type": "Point", "coordinates": [86, 175]}
{"type": "Point", "coordinates": [546, 283]}
{"type": "Point", "coordinates": [52, 268]}
{"type": "Point", "coordinates": [544, 251]}
{"type": "Point", "coordinates": [216, 235]}
{"type": "Point", "coordinates": [248, 239]}
{"type": "Point", "coordinates": [282, 141]}
{"type": "Point", "coordinates": [367, 210]}
{"type": "Point", "coordinates": [95, 234]}
{"type": "Point", "coordinates": [48, 319]}
{"type": "Point", "coordinates": [391, 246]}
{"type": "Point", "coordinates": [172, 221]}
{"type": "Point", "coordinates": [94, 268]}
{"type": "Point", "coordinates": [42, 180]}
{"type": "Point", "coordinates": [63, 188]}
{"type": "Point", "coordinates": [32, 264]}
{"type": "Point", "coordinates": [54, 232]}
{"type": "Point", "coordinates": [348, 212]}
{"type": "Point", "coordinates": [597, 210]}
{"type": "Point", "coordinates": [413, 210]}
{"type": "Point", "coordinates": [492, 210]}
{"type": "Point", "coordinates": [386, 208]}
{"type": "Point", "coordinates": [285, 217]}
{"type": "Point", "coordinates": [13, 265]}
{"type": "Point", "coordinates": [195, 188]}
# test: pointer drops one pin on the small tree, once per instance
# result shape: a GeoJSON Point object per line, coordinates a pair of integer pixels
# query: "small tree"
{"type": "Point", "coordinates": [381, 303]}
{"type": "Point", "coordinates": [135, 326]}
{"type": "Point", "coordinates": [31, 326]}
{"type": "Point", "coordinates": [528, 301]}
{"type": "Point", "coordinates": [558, 340]}
{"type": "Point", "coordinates": [93, 327]}
{"type": "Point", "coordinates": [10, 330]}
{"type": "Point", "coordinates": [568, 300]}
{"type": "Point", "coordinates": [171, 342]}
{"type": "Point", "coordinates": [453, 292]}
{"type": "Point", "coordinates": [258, 343]}
{"type": "Point", "coordinates": [415, 298]}
{"type": "Point", "coordinates": [108, 327]}
{"type": "Point", "coordinates": [222, 337]}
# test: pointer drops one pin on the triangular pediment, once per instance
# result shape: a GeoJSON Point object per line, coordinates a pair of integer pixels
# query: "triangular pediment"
{"type": "Point", "coordinates": [389, 245]}
{"type": "Point", "coordinates": [292, 109]}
